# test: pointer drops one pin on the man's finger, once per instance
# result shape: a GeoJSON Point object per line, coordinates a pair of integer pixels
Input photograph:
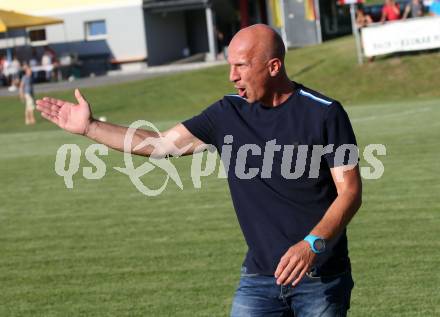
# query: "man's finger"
{"type": "Point", "coordinates": [283, 262]}
{"type": "Point", "coordinates": [59, 102]}
{"type": "Point", "coordinates": [43, 108]}
{"type": "Point", "coordinates": [49, 117]}
{"type": "Point", "coordinates": [54, 113]}
{"type": "Point", "coordinates": [52, 101]}
{"type": "Point", "coordinates": [286, 272]}
{"type": "Point", "coordinates": [300, 276]}
{"type": "Point", "coordinates": [47, 102]}
{"type": "Point", "coordinates": [79, 96]}
{"type": "Point", "coordinates": [41, 102]}
{"type": "Point", "coordinates": [298, 268]}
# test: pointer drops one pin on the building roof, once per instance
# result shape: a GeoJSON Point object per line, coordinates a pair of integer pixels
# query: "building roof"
{"type": "Point", "coordinates": [11, 20]}
{"type": "Point", "coordinates": [49, 6]}
{"type": "Point", "coordinates": [175, 5]}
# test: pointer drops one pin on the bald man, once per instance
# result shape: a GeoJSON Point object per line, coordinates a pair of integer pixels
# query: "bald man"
{"type": "Point", "coordinates": [293, 206]}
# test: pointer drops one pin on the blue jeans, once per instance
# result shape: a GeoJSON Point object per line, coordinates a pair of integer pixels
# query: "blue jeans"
{"type": "Point", "coordinates": [315, 296]}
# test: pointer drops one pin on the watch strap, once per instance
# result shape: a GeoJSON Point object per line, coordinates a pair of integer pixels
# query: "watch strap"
{"type": "Point", "coordinates": [311, 240]}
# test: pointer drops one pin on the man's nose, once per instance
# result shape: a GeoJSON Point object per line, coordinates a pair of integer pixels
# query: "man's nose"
{"type": "Point", "coordinates": [233, 75]}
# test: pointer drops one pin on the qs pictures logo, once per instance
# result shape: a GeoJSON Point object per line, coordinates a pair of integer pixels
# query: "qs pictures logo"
{"type": "Point", "coordinates": [294, 161]}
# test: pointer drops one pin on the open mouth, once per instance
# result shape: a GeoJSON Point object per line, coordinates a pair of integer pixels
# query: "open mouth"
{"type": "Point", "coordinates": [242, 92]}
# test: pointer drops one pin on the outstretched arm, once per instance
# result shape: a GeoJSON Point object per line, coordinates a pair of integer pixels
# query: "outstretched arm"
{"type": "Point", "coordinates": [78, 119]}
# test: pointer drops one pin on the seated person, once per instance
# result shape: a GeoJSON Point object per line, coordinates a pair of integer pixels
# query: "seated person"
{"type": "Point", "coordinates": [390, 11]}
{"type": "Point", "coordinates": [33, 61]}
{"type": "Point", "coordinates": [13, 70]}
{"type": "Point", "coordinates": [362, 19]}
{"type": "Point", "coordinates": [415, 8]}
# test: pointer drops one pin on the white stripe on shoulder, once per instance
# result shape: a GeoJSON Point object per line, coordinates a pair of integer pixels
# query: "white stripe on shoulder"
{"type": "Point", "coordinates": [321, 100]}
{"type": "Point", "coordinates": [235, 95]}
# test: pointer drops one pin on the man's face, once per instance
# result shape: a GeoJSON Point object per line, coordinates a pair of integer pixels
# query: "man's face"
{"type": "Point", "coordinates": [248, 71]}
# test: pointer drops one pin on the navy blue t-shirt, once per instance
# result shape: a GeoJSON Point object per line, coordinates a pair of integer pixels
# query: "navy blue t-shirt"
{"type": "Point", "coordinates": [267, 154]}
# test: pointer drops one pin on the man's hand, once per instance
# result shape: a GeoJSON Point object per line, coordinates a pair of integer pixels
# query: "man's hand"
{"type": "Point", "coordinates": [68, 116]}
{"type": "Point", "coordinates": [294, 264]}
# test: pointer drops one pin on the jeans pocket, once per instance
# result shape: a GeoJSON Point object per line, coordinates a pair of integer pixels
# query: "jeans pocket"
{"type": "Point", "coordinates": [335, 288]}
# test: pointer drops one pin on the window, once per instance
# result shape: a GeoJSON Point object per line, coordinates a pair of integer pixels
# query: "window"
{"type": "Point", "coordinates": [37, 36]}
{"type": "Point", "coordinates": [96, 30]}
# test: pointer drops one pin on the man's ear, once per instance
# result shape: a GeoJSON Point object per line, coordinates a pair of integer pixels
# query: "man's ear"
{"type": "Point", "coordinates": [275, 66]}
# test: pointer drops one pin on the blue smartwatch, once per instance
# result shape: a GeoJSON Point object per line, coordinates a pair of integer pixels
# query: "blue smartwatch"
{"type": "Point", "coordinates": [317, 244]}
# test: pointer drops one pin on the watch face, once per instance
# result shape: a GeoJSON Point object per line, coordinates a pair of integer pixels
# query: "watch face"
{"type": "Point", "coordinates": [319, 245]}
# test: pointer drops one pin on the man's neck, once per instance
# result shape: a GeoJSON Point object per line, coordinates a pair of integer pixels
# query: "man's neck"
{"type": "Point", "coordinates": [280, 94]}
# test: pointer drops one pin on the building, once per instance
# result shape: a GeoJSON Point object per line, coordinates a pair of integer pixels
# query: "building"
{"type": "Point", "coordinates": [128, 34]}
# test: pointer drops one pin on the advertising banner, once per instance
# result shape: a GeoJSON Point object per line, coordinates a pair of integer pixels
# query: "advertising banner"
{"type": "Point", "coordinates": [400, 36]}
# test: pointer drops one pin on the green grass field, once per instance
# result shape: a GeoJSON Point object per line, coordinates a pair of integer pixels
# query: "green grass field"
{"type": "Point", "coordinates": [104, 249]}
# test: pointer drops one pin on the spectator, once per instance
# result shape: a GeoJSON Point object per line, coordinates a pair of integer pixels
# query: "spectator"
{"type": "Point", "coordinates": [434, 9]}
{"type": "Point", "coordinates": [390, 11]}
{"type": "Point", "coordinates": [362, 19]}
{"type": "Point", "coordinates": [2, 71]}
{"type": "Point", "coordinates": [33, 61]}
{"type": "Point", "coordinates": [46, 61]}
{"type": "Point", "coordinates": [49, 59]}
{"type": "Point", "coordinates": [13, 73]}
{"type": "Point", "coordinates": [221, 44]}
{"type": "Point", "coordinates": [415, 7]}
{"type": "Point", "coordinates": [27, 95]}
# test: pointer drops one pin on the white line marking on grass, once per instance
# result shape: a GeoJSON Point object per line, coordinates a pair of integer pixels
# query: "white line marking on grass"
{"type": "Point", "coordinates": [392, 115]}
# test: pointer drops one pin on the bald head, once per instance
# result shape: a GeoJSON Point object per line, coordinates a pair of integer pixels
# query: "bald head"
{"type": "Point", "coordinates": [261, 40]}
{"type": "Point", "coordinates": [256, 59]}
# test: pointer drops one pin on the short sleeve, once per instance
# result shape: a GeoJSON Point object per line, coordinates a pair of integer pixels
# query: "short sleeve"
{"type": "Point", "coordinates": [203, 125]}
{"type": "Point", "coordinates": [339, 132]}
